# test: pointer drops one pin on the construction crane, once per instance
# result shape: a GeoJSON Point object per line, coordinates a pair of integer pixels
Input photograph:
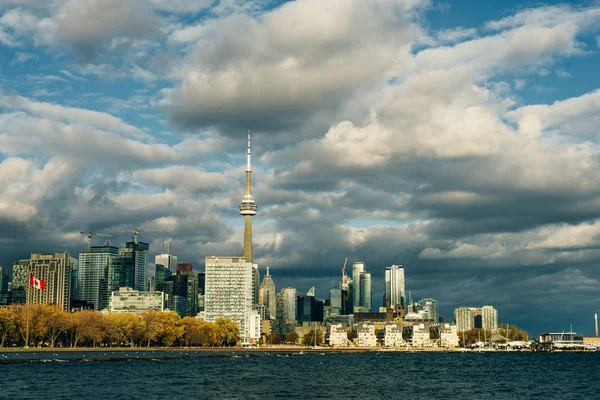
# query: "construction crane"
{"type": "Point", "coordinates": [136, 231]}
{"type": "Point", "coordinates": [344, 267]}
{"type": "Point", "coordinates": [89, 238]}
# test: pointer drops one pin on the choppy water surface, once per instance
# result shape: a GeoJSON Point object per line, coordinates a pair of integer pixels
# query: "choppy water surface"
{"type": "Point", "coordinates": [312, 376]}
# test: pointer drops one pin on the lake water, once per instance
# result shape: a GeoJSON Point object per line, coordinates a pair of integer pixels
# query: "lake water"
{"type": "Point", "coordinates": [309, 376]}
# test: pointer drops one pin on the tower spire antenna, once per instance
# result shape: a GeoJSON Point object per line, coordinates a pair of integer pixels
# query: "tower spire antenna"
{"type": "Point", "coordinates": [248, 208]}
{"type": "Point", "coordinates": [248, 164]}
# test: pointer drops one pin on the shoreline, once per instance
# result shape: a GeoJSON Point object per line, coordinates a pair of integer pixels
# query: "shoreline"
{"type": "Point", "coordinates": [266, 349]}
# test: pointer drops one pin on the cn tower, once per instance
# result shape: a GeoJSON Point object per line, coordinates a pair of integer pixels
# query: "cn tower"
{"type": "Point", "coordinates": [248, 208]}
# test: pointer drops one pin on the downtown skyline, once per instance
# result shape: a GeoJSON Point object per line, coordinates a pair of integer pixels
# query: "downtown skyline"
{"type": "Point", "coordinates": [458, 142]}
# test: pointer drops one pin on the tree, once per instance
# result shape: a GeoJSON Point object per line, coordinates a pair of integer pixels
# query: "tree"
{"type": "Point", "coordinates": [274, 338]}
{"type": "Point", "coordinates": [55, 322]}
{"type": "Point", "coordinates": [474, 335]}
{"type": "Point", "coordinates": [351, 334]}
{"type": "Point", "coordinates": [291, 337]}
{"type": "Point", "coordinates": [153, 326]}
{"type": "Point", "coordinates": [191, 334]}
{"type": "Point", "coordinates": [7, 324]}
{"type": "Point", "coordinates": [27, 324]}
{"type": "Point", "coordinates": [85, 325]}
{"type": "Point", "coordinates": [171, 328]}
{"type": "Point", "coordinates": [313, 337]}
{"type": "Point", "coordinates": [208, 334]}
{"type": "Point", "coordinates": [228, 332]}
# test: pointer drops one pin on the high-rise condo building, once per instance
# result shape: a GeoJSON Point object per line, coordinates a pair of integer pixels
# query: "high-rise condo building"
{"type": "Point", "coordinates": [228, 291]}
{"type": "Point", "coordinates": [286, 304]}
{"type": "Point", "coordinates": [268, 295]}
{"type": "Point", "coordinates": [138, 251]}
{"type": "Point", "coordinates": [365, 291]}
{"type": "Point", "coordinates": [463, 319]}
{"type": "Point", "coordinates": [92, 275]}
{"type": "Point", "coordinates": [255, 283]}
{"type": "Point", "coordinates": [335, 297]}
{"type": "Point", "coordinates": [395, 294]}
{"type": "Point", "coordinates": [121, 273]}
{"type": "Point", "coordinates": [306, 307]}
{"type": "Point", "coordinates": [55, 271]}
{"type": "Point", "coordinates": [248, 208]}
{"type": "Point", "coordinates": [20, 281]}
{"type": "Point", "coordinates": [74, 284]}
{"type": "Point", "coordinates": [175, 288]}
{"type": "Point", "coordinates": [357, 269]}
{"type": "Point", "coordinates": [476, 315]}
{"type": "Point", "coordinates": [347, 306]}
{"type": "Point", "coordinates": [3, 286]}
{"type": "Point", "coordinates": [489, 316]}
{"type": "Point", "coordinates": [161, 273]}
{"type": "Point", "coordinates": [193, 291]}
{"type": "Point", "coordinates": [429, 307]}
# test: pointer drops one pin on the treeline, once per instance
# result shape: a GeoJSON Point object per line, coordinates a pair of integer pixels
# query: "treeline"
{"type": "Point", "coordinates": [48, 326]}
{"type": "Point", "coordinates": [502, 335]}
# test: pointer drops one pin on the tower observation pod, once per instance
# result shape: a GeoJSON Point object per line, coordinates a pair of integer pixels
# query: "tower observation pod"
{"type": "Point", "coordinates": [248, 208]}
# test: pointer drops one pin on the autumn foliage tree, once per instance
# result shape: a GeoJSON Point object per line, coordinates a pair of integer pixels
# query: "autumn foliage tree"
{"type": "Point", "coordinates": [313, 337]}
{"type": "Point", "coordinates": [48, 325]}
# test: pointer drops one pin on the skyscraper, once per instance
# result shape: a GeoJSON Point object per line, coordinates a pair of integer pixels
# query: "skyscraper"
{"type": "Point", "coordinates": [463, 319]}
{"type": "Point", "coordinates": [357, 269]}
{"type": "Point", "coordinates": [167, 259]}
{"type": "Point", "coordinates": [3, 286]}
{"type": "Point", "coordinates": [121, 273]}
{"type": "Point", "coordinates": [228, 291]}
{"type": "Point", "coordinates": [161, 273]}
{"type": "Point", "coordinates": [55, 271]}
{"type": "Point", "coordinates": [430, 307]}
{"type": "Point", "coordinates": [395, 294]}
{"type": "Point", "coordinates": [286, 304]}
{"type": "Point", "coordinates": [268, 295]}
{"type": "Point", "coordinates": [489, 316]}
{"type": "Point", "coordinates": [476, 315]}
{"type": "Point", "coordinates": [92, 275]}
{"type": "Point", "coordinates": [248, 208]}
{"type": "Point", "coordinates": [138, 251]}
{"type": "Point", "coordinates": [335, 297]}
{"type": "Point", "coordinates": [20, 281]}
{"type": "Point", "coordinates": [306, 307]}
{"type": "Point", "coordinates": [255, 283]}
{"type": "Point", "coordinates": [347, 306]}
{"type": "Point", "coordinates": [365, 291]}
{"type": "Point", "coordinates": [175, 288]}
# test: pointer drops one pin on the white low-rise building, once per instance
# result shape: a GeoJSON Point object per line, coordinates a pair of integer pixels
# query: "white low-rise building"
{"type": "Point", "coordinates": [128, 300]}
{"type": "Point", "coordinates": [366, 335]}
{"type": "Point", "coordinates": [254, 326]}
{"type": "Point", "coordinates": [338, 337]}
{"type": "Point", "coordinates": [393, 335]}
{"type": "Point", "coordinates": [420, 336]}
{"type": "Point", "coordinates": [448, 335]}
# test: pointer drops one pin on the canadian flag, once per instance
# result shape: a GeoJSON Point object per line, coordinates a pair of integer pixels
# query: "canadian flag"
{"type": "Point", "coordinates": [37, 283]}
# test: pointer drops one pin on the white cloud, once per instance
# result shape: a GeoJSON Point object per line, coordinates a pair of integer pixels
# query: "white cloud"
{"type": "Point", "coordinates": [455, 34]}
{"type": "Point", "coordinates": [509, 50]}
{"type": "Point", "coordinates": [277, 69]}
{"type": "Point", "coordinates": [574, 116]}
{"type": "Point", "coordinates": [183, 178]}
{"type": "Point", "coordinates": [564, 236]}
{"type": "Point", "coordinates": [73, 115]}
{"type": "Point", "coordinates": [181, 6]}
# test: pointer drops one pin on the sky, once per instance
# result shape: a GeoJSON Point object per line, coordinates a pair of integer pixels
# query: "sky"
{"type": "Point", "coordinates": [459, 139]}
